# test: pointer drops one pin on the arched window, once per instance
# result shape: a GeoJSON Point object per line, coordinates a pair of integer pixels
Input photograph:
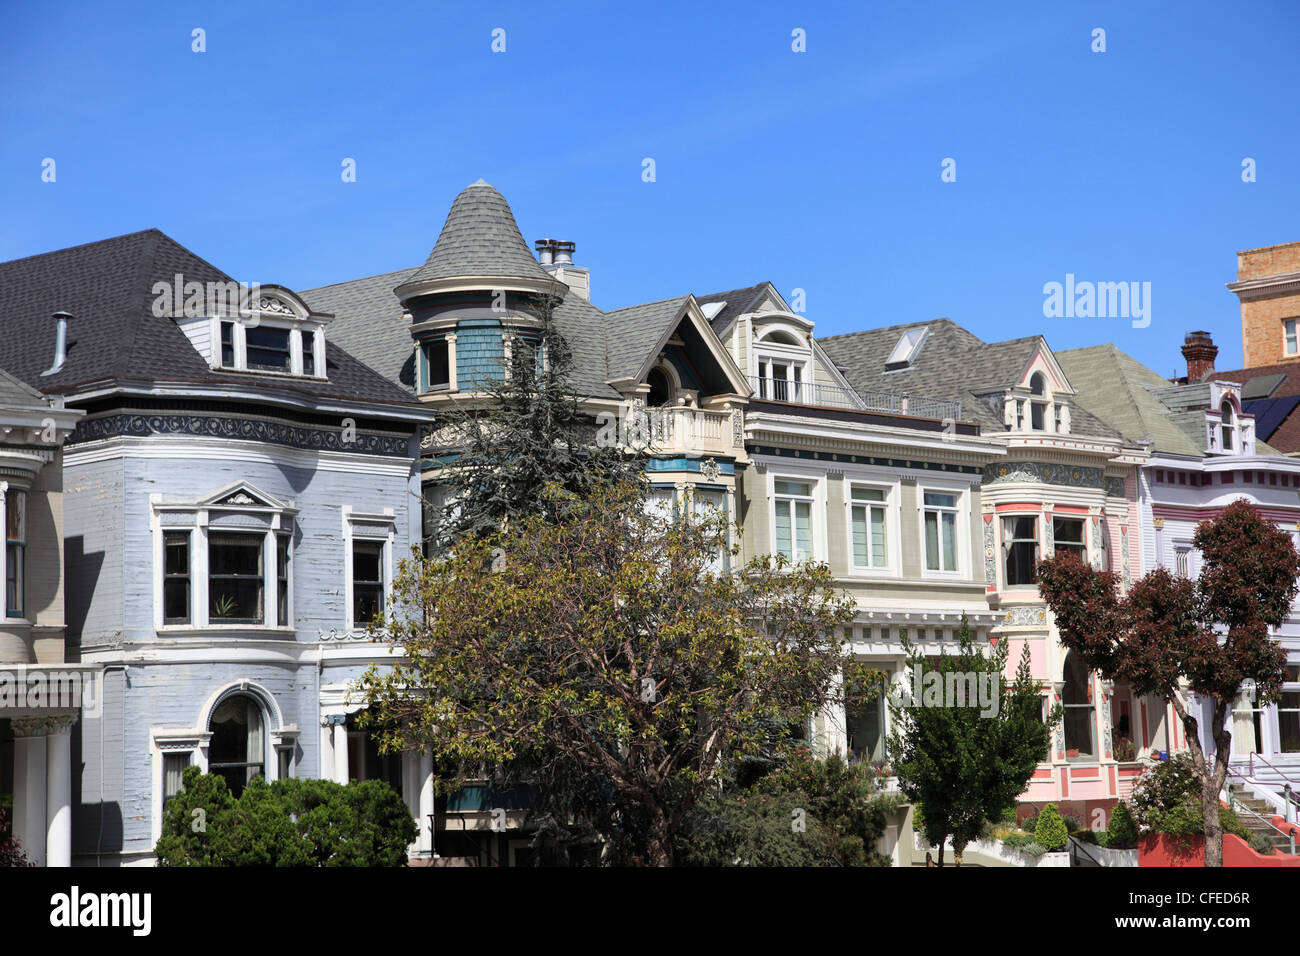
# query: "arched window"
{"type": "Point", "coordinates": [1226, 428]}
{"type": "Point", "coordinates": [237, 748]}
{"type": "Point", "coordinates": [1037, 407]}
{"type": "Point", "coordinates": [1080, 718]}
{"type": "Point", "coordinates": [661, 389]}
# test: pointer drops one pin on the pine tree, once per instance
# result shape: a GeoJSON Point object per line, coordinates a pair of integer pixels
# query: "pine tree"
{"type": "Point", "coordinates": [966, 760]}
{"type": "Point", "coordinates": [525, 430]}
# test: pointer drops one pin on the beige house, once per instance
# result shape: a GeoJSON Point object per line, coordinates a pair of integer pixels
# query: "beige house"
{"type": "Point", "coordinates": [41, 695]}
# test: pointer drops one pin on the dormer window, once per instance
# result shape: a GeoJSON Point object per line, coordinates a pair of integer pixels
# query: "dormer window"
{"type": "Point", "coordinates": [1037, 405]}
{"type": "Point", "coordinates": [270, 346]}
{"type": "Point", "coordinates": [1227, 425]}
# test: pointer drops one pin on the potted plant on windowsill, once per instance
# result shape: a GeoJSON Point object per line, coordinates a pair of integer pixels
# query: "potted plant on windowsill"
{"type": "Point", "coordinates": [224, 606]}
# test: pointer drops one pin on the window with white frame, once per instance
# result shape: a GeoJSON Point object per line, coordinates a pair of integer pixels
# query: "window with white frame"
{"type": "Point", "coordinates": [435, 363]}
{"type": "Point", "coordinates": [237, 748]}
{"type": "Point", "coordinates": [368, 543]}
{"type": "Point", "coordinates": [792, 529]}
{"type": "Point", "coordinates": [1019, 549]}
{"type": "Point", "coordinates": [1227, 425]}
{"type": "Point", "coordinates": [868, 527]}
{"type": "Point", "coordinates": [1038, 404]}
{"type": "Point", "coordinates": [711, 504]}
{"type": "Point", "coordinates": [1289, 336]}
{"type": "Point", "coordinates": [1067, 537]}
{"type": "Point", "coordinates": [939, 514]}
{"type": "Point", "coordinates": [15, 524]}
{"type": "Point", "coordinates": [288, 348]}
{"type": "Point", "coordinates": [1288, 712]}
{"type": "Point", "coordinates": [1080, 719]}
{"type": "Point", "coordinates": [661, 501]}
{"type": "Point", "coordinates": [225, 562]}
{"type": "Point", "coordinates": [1182, 561]}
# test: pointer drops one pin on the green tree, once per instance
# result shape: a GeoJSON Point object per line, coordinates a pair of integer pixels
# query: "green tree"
{"type": "Point", "coordinates": [288, 823]}
{"type": "Point", "coordinates": [605, 643]}
{"type": "Point", "coordinates": [523, 431]}
{"type": "Point", "coordinates": [1169, 635]}
{"type": "Point", "coordinates": [966, 758]}
{"type": "Point", "coordinates": [1051, 833]}
{"type": "Point", "coordinates": [1122, 831]}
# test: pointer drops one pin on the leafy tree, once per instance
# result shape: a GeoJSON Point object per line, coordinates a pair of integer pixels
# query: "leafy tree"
{"type": "Point", "coordinates": [11, 853]}
{"type": "Point", "coordinates": [1170, 635]}
{"type": "Point", "coordinates": [810, 812]}
{"type": "Point", "coordinates": [286, 823]}
{"type": "Point", "coordinates": [1122, 831]}
{"type": "Point", "coordinates": [523, 431]}
{"type": "Point", "coordinates": [964, 764]}
{"type": "Point", "coordinates": [1051, 833]}
{"type": "Point", "coordinates": [606, 644]}
{"type": "Point", "coordinates": [1166, 799]}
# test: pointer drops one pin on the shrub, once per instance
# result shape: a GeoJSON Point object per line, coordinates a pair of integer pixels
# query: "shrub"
{"type": "Point", "coordinates": [11, 852]}
{"type": "Point", "coordinates": [1086, 836]}
{"type": "Point", "coordinates": [1162, 788]}
{"type": "Point", "coordinates": [286, 823]}
{"type": "Point", "coordinates": [1260, 843]}
{"type": "Point", "coordinates": [1122, 832]}
{"type": "Point", "coordinates": [1072, 823]}
{"type": "Point", "coordinates": [1018, 839]}
{"type": "Point", "coordinates": [1050, 832]}
{"type": "Point", "coordinates": [1029, 823]}
{"type": "Point", "coordinates": [1033, 849]}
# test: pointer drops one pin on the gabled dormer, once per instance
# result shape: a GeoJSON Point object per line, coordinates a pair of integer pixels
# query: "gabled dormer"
{"type": "Point", "coordinates": [259, 329]}
{"type": "Point", "coordinates": [1038, 400]}
{"type": "Point", "coordinates": [1229, 430]}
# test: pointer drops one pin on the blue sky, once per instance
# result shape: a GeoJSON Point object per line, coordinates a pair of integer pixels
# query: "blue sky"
{"type": "Point", "coordinates": [817, 170]}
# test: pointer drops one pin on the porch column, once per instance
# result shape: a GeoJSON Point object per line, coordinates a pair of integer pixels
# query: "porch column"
{"type": "Point", "coordinates": [58, 791]}
{"type": "Point", "coordinates": [29, 786]}
{"type": "Point", "coordinates": [340, 731]}
{"type": "Point", "coordinates": [425, 819]}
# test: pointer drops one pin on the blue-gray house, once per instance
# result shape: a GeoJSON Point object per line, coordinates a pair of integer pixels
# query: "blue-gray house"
{"type": "Point", "coordinates": [236, 498]}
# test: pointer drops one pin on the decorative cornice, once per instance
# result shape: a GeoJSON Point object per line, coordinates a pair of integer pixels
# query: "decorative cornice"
{"type": "Point", "coordinates": [242, 429]}
{"type": "Point", "coordinates": [1044, 473]}
{"type": "Point", "coordinates": [1262, 286]}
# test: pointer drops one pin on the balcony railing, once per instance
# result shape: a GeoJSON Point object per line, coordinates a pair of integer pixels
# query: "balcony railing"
{"type": "Point", "coordinates": [834, 396]}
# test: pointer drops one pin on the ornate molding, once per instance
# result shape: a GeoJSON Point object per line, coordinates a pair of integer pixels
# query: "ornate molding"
{"type": "Point", "coordinates": [241, 429]}
{"type": "Point", "coordinates": [1114, 486]}
{"type": "Point", "coordinates": [43, 726]}
{"type": "Point", "coordinates": [1042, 472]}
{"type": "Point", "coordinates": [1025, 615]}
{"type": "Point", "coordinates": [990, 552]}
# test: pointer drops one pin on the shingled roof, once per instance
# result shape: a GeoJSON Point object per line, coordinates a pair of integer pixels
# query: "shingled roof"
{"type": "Point", "coordinates": [114, 336]}
{"type": "Point", "coordinates": [953, 364]}
{"type": "Point", "coordinates": [480, 238]}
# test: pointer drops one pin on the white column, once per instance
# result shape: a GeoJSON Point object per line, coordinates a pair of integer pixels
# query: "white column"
{"type": "Point", "coordinates": [339, 723]}
{"type": "Point", "coordinates": [29, 786]}
{"type": "Point", "coordinates": [58, 792]}
{"type": "Point", "coordinates": [426, 802]}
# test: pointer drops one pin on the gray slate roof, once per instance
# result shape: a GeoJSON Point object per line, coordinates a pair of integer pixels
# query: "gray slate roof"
{"type": "Point", "coordinates": [952, 365]}
{"type": "Point", "coordinates": [638, 330]}
{"type": "Point", "coordinates": [114, 335]}
{"type": "Point", "coordinates": [1115, 387]}
{"type": "Point", "coordinates": [738, 302]}
{"type": "Point", "coordinates": [480, 238]}
{"type": "Point", "coordinates": [15, 393]}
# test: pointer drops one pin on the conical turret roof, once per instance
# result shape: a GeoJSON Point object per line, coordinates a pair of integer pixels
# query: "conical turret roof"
{"type": "Point", "coordinates": [480, 238]}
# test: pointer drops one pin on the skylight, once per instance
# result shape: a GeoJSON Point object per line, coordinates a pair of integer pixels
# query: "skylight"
{"type": "Point", "coordinates": [908, 347]}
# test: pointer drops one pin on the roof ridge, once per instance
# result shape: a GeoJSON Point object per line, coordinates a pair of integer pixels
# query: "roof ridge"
{"type": "Point", "coordinates": [642, 305]}
{"type": "Point", "coordinates": [83, 245]}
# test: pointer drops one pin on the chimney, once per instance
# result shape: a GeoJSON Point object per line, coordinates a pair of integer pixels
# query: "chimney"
{"type": "Point", "coordinates": [556, 257]}
{"type": "Point", "coordinates": [1199, 350]}
{"type": "Point", "coordinates": [60, 342]}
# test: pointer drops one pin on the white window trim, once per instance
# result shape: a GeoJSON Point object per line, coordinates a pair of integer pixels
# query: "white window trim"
{"type": "Point", "coordinates": [421, 386]}
{"type": "Point", "coordinates": [893, 525]}
{"type": "Point", "coordinates": [962, 527]}
{"type": "Point", "coordinates": [1293, 334]}
{"type": "Point", "coordinates": [281, 522]}
{"type": "Point", "coordinates": [239, 340]}
{"type": "Point", "coordinates": [817, 510]}
{"type": "Point", "coordinates": [350, 520]}
{"type": "Point", "coordinates": [1040, 535]}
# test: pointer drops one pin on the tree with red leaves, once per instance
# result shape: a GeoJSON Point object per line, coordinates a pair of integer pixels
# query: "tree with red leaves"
{"type": "Point", "coordinates": [1171, 636]}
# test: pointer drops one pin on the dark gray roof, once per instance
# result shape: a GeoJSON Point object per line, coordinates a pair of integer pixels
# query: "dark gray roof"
{"type": "Point", "coordinates": [738, 302]}
{"type": "Point", "coordinates": [114, 336]}
{"type": "Point", "coordinates": [480, 238]}
{"type": "Point", "coordinates": [952, 365]}
{"type": "Point", "coordinates": [637, 330]}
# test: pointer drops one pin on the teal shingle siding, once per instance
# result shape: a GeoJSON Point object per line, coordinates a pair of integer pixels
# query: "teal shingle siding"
{"type": "Point", "coordinates": [479, 353]}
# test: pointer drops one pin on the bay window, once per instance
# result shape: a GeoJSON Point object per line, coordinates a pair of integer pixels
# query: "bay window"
{"type": "Point", "coordinates": [176, 577]}
{"type": "Point", "coordinates": [1067, 535]}
{"type": "Point", "coordinates": [1080, 716]}
{"type": "Point", "coordinates": [793, 525]}
{"type": "Point", "coordinates": [235, 578]}
{"type": "Point", "coordinates": [939, 520]}
{"type": "Point", "coordinates": [1019, 549]}
{"type": "Point", "coordinates": [367, 581]}
{"type": "Point", "coordinates": [1288, 712]}
{"type": "Point", "coordinates": [868, 527]}
{"type": "Point", "coordinates": [15, 511]}
{"type": "Point", "coordinates": [710, 504]}
{"type": "Point", "coordinates": [435, 364]}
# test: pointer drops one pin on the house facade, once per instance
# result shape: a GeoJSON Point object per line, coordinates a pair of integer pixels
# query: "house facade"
{"type": "Point", "coordinates": [1064, 480]}
{"type": "Point", "coordinates": [237, 493]}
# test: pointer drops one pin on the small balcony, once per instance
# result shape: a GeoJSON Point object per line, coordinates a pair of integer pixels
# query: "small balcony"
{"type": "Point", "coordinates": [814, 394]}
{"type": "Point", "coordinates": [686, 430]}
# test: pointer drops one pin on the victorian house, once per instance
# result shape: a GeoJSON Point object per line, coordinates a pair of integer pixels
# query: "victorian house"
{"type": "Point", "coordinates": [1063, 480]}
{"type": "Point", "coordinates": [235, 496]}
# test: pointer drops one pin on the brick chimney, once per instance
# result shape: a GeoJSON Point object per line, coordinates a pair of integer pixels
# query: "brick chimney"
{"type": "Point", "coordinates": [1199, 350]}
